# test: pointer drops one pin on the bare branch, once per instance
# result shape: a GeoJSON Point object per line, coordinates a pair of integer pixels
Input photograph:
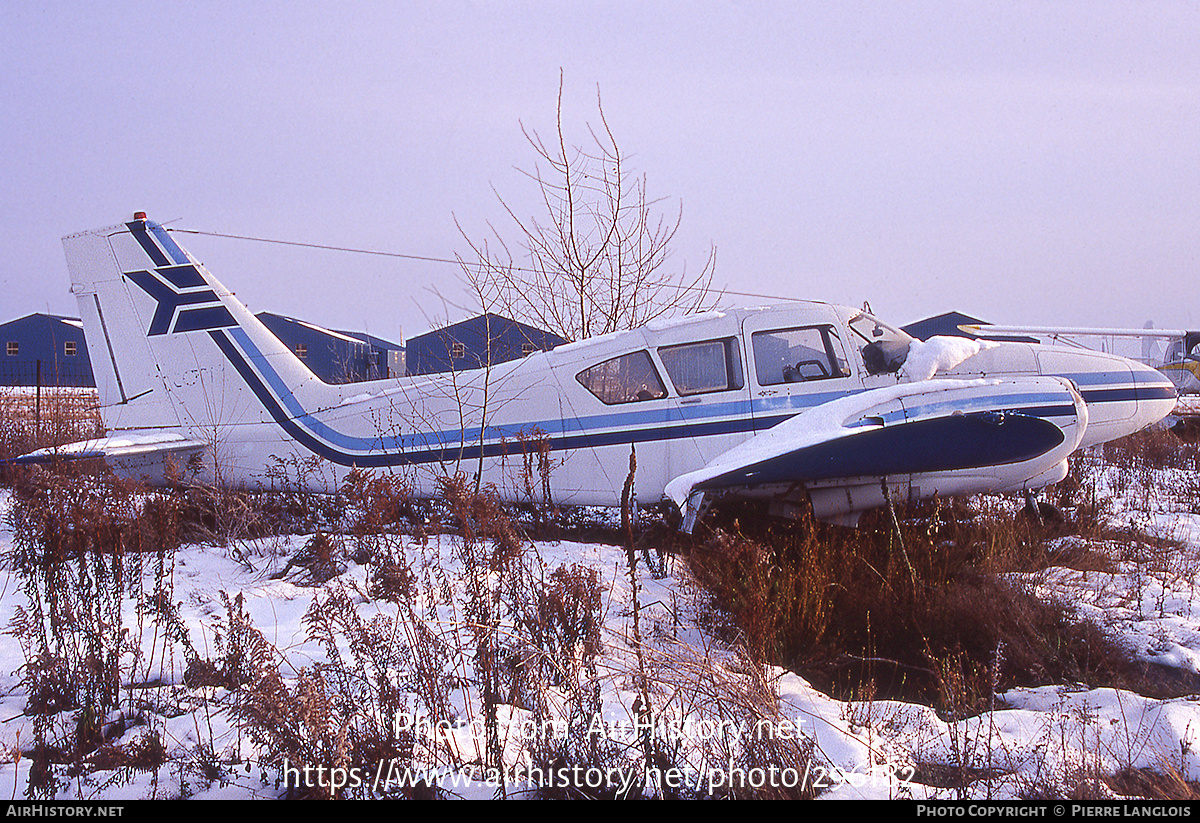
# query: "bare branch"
{"type": "Point", "coordinates": [597, 259]}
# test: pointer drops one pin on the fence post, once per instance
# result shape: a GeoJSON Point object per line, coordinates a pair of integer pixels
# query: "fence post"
{"type": "Point", "coordinates": [37, 402]}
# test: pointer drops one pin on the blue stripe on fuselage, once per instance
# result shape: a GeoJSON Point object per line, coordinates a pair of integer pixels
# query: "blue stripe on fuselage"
{"type": "Point", "coordinates": [374, 453]}
{"type": "Point", "coordinates": [563, 434]}
{"type": "Point", "coordinates": [562, 428]}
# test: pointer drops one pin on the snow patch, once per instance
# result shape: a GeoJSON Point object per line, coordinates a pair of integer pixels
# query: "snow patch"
{"type": "Point", "coordinates": [939, 354]}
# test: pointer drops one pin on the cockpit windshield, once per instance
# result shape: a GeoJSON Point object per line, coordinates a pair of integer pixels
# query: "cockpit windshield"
{"type": "Point", "coordinates": [883, 348]}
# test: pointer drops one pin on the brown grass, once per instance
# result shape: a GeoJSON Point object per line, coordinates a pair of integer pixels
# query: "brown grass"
{"type": "Point", "coordinates": [62, 416]}
{"type": "Point", "coordinates": [82, 545]}
{"type": "Point", "coordinates": [929, 611]}
{"type": "Point", "coordinates": [927, 614]}
{"type": "Point", "coordinates": [1154, 448]}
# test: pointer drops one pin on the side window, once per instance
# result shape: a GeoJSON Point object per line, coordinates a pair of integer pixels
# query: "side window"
{"type": "Point", "coordinates": [798, 355]}
{"type": "Point", "coordinates": [883, 348]}
{"type": "Point", "coordinates": [629, 378]}
{"type": "Point", "coordinates": [698, 368]}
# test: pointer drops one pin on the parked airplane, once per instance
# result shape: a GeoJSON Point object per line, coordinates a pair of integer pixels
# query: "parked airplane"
{"type": "Point", "coordinates": [796, 403]}
{"type": "Point", "coordinates": [1180, 362]}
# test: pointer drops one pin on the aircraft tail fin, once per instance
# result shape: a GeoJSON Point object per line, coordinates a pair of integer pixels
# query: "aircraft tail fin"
{"type": "Point", "coordinates": [158, 328]}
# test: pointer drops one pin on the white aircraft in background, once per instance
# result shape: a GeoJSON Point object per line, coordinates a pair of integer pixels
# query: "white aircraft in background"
{"type": "Point", "coordinates": [1176, 359]}
{"type": "Point", "coordinates": [1179, 361]}
{"type": "Point", "coordinates": [797, 404]}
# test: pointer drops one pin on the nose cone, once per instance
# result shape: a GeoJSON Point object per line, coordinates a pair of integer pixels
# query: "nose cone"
{"type": "Point", "coordinates": [1123, 396]}
{"type": "Point", "coordinates": [1156, 394]}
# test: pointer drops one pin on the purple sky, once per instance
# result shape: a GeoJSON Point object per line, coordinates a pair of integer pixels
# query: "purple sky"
{"type": "Point", "coordinates": [1027, 162]}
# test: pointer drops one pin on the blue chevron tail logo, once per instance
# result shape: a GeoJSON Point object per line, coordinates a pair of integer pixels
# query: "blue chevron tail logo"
{"type": "Point", "coordinates": [185, 301]}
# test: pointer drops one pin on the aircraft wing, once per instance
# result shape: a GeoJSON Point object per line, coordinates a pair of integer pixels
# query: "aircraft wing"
{"type": "Point", "coordinates": [149, 454]}
{"type": "Point", "coordinates": [957, 436]}
{"type": "Point", "coordinates": [988, 329]}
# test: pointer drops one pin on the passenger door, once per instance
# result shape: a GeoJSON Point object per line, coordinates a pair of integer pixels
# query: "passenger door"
{"type": "Point", "coordinates": [798, 360]}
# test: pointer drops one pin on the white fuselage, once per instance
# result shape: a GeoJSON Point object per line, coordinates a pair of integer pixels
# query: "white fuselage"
{"type": "Point", "coordinates": [179, 357]}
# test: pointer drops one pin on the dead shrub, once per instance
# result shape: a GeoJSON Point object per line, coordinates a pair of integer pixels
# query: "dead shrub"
{"type": "Point", "coordinates": [219, 516]}
{"type": "Point", "coordinates": [242, 652]}
{"type": "Point", "coordinates": [873, 605]}
{"type": "Point", "coordinates": [340, 714]}
{"type": "Point", "coordinates": [82, 544]}
{"type": "Point", "coordinates": [492, 553]}
{"type": "Point", "coordinates": [479, 517]}
{"type": "Point", "coordinates": [143, 754]}
{"type": "Point", "coordinates": [391, 581]}
{"type": "Point", "coordinates": [565, 622]}
{"type": "Point", "coordinates": [1165, 783]}
{"type": "Point", "coordinates": [779, 596]}
{"type": "Point", "coordinates": [48, 680]}
{"type": "Point", "coordinates": [562, 633]}
{"type": "Point", "coordinates": [378, 504]}
{"type": "Point", "coordinates": [1152, 448]}
{"type": "Point", "coordinates": [321, 559]}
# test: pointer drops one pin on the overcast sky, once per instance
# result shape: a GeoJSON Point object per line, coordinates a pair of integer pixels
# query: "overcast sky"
{"type": "Point", "coordinates": [1027, 162]}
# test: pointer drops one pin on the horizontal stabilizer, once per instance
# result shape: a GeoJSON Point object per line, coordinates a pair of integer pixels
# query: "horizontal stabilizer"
{"type": "Point", "coordinates": [149, 455]}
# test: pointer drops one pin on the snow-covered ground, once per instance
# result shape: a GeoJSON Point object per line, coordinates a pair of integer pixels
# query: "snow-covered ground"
{"type": "Point", "coordinates": [709, 706]}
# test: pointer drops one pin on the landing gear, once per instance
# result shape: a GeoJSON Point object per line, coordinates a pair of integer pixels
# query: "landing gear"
{"type": "Point", "coordinates": [694, 509]}
{"type": "Point", "coordinates": [1040, 512]}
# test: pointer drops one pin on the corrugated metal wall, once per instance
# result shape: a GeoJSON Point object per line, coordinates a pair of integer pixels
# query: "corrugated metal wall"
{"type": "Point", "coordinates": [44, 344]}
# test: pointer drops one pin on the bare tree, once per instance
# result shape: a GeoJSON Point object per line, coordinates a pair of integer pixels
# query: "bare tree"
{"type": "Point", "coordinates": [596, 262]}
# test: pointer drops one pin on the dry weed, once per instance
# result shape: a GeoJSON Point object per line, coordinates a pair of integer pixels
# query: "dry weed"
{"type": "Point", "coordinates": [56, 417]}
{"type": "Point", "coordinates": [82, 545]}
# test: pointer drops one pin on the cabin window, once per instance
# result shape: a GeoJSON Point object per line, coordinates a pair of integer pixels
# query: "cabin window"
{"type": "Point", "coordinates": [698, 368]}
{"type": "Point", "coordinates": [883, 348]}
{"type": "Point", "coordinates": [798, 355]}
{"type": "Point", "coordinates": [69, 348]}
{"type": "Point", "coordinates": [629, 378]}
{"type": "Point", "coordinates": [301, 350]}
{"type": "Point", "coordinates": [13, 348]}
